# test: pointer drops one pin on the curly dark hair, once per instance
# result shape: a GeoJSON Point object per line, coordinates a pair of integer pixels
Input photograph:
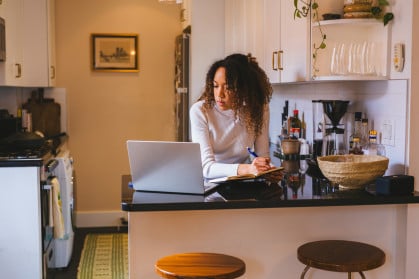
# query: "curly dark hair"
{"type": "Point", "coordinates": [249, 85]}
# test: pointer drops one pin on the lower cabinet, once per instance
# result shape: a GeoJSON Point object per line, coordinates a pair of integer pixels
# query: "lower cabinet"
{"type": "Point", "coordinates": [21, 245]}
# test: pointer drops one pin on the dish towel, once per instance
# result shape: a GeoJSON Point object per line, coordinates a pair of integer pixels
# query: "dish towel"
{"type": "Point", "coordinates": [57, 209]}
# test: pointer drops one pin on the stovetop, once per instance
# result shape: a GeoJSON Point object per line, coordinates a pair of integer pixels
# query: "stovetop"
{"type": "Point", "coordinates": [26, 154]}
{"type": "Point", "coordinates": [13, 152]}
{"type": "Point", "coordinates": [27, 157]}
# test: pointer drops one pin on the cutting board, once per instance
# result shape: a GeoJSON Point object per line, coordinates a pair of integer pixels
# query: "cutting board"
{"type": "Point", "coordinates": [46, 115]}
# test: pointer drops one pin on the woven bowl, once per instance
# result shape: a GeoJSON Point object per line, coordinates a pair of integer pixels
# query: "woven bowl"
{"type": "Point", "coordinates": [352, 171]}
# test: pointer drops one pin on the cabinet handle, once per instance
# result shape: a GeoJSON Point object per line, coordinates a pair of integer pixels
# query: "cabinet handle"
{"type": "Point", "coordinates": [52, 72]}
{"type": "Point", "coordinates": [19, 70]}
{"type": "Point", "coordinates": [280, 54]}
{"type": "Point", "coordinates": [275, 53]}
{"type": "Point", "coordinates": [182, 15]}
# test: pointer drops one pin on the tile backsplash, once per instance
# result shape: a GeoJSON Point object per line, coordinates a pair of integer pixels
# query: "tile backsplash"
{"type": "Point", "coordinates": [383, 102]}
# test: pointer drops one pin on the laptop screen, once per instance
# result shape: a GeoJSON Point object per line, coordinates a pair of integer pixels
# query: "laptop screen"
{"type": "Point", "coordinates": [165, 166]}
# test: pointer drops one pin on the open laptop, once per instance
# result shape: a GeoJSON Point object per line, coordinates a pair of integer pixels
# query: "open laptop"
{"type": "Point", "coordinates": [166, 166]}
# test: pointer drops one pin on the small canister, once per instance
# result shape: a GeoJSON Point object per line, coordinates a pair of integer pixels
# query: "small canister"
{"type": "Point", "coordinates": [290, 146]}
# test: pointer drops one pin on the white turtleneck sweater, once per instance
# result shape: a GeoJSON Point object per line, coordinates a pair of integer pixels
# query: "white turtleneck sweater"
{"type": "Point", "coordinates": [224, 140]}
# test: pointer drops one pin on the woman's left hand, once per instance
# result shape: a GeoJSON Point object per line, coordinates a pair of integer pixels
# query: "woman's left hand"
{"type": "Point", "coordinates": [274, 177]}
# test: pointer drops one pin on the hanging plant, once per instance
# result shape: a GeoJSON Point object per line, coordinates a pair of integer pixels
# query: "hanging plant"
{"type": "Point", "coordinates": [302, 9]}
{"type": "Point", "coordinates": [377, 11]}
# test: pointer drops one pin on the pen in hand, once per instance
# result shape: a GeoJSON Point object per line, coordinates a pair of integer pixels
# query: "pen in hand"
{"type": "Point", "coordinates": [252, 152]}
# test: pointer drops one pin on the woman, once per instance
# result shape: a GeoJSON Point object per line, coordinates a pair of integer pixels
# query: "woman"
{"type": "Point", "coordinates": [231, 115]}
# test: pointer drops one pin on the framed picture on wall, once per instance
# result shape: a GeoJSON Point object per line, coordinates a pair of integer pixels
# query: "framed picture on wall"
{"type": "Point", "coordinates": [115, 52]}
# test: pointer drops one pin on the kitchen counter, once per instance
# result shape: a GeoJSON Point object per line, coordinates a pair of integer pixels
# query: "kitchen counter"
{"type": "Point", "coordinates": [264, 225]}
{"type": "Point", "coordinates": [310, 192]}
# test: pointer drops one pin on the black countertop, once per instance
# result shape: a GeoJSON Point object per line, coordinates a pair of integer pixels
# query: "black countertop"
{"type": "Point", "coordinates": [299, 190]}
{"type": "Point", "coordinates": [303, 185]}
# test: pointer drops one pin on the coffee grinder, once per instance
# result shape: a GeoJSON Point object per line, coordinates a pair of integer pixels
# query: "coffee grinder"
{"type": "Point", "coordinates": [334, 141]}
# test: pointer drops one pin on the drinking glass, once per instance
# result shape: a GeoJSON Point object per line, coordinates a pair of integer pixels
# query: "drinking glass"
{"type": "Point", "coordinates": [334, 60]}
{"type": "Point", "coordinates": [343, 64]}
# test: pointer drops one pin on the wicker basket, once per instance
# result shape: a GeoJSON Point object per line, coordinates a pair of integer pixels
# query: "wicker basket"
{"type": "Point", "coordinates": [352, 171]}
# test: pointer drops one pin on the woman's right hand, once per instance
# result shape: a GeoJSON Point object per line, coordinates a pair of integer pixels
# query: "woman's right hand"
{"type": "Point", "coordinates": [258, 165]}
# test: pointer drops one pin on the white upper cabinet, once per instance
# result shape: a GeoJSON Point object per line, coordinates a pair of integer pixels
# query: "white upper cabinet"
{"type": "Point", "coordinates": [286, 43]}
{"type": "Point", "coordinates": [30, 54]}
{"type": "Point", "coordinates": [51, 42]}
{"type": "Point", "coordinates": [11, 68]}
{"type": "Point", "coordinates": [244, 28]}
{"type": "Point", "coordinates": [268, 31]}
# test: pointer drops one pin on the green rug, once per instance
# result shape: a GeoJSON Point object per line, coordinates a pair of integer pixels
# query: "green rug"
{"type": "Point", "coordinates": [104, 256]}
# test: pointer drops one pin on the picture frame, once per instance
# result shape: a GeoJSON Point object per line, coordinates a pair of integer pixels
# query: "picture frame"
{"type": "Point", "coordinates": [114, 52]}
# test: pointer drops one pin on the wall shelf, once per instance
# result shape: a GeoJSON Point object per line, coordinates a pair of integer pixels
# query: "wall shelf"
{"type": "Point", "coordinates": [356, 49]}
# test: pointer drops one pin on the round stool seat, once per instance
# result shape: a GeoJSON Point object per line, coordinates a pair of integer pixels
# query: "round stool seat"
{"type": "Point", "coordinates": [200, 265]}
{"type": "Point", "coordinates": [340, 256]}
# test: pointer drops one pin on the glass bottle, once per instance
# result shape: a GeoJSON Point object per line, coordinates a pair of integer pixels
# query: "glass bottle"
{"type": "Point", "coordinates": [381, 149]}
{"type": "Point", "coordinates": [295, 126]}
{"type": "Point", "coordinates": [356, 147]}
{"type": "Point", "coordinates": [357, 129]}
{"type": "Point", "coordinates": [364, 132]}
{"type": "Point", "coordinates": [303, 127]}
{"type": "Point", "coordinates": [373, 147]}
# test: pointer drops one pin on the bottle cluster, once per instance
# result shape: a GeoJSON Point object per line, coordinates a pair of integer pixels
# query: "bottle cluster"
{"type": "Point", "coordinates": [363, 139]}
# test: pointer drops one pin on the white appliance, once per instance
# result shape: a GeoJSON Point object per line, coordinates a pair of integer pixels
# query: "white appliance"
{"type": "Point", "coordinates": [63, 247]}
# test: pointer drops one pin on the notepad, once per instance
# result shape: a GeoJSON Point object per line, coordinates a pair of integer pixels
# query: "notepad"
{"type": "Point", "coordinates": [244, 176]}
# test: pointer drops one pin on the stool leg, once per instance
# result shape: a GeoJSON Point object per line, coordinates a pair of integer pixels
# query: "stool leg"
{"type": "Point", "coordinates": [349, 275]}
{"type": "Point", "coordinates": [362, 275]}
{"type": "Point", "coordinates": [304, 272]}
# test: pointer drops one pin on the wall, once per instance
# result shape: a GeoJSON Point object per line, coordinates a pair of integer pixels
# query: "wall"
{"type": "Point", "coordinates": [106, 109]}
{"type": "Point", "coordinates": [205, 15]}
{"type": "Point", "coordinates": [414, 101]}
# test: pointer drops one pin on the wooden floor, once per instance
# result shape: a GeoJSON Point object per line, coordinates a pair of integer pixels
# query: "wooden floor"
{"type": "Point", "coordinates": [71, 271]}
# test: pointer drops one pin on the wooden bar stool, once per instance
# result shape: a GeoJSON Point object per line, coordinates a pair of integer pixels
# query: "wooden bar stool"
{"type": "Point", "coordinates": [340, 256]}
{"type": "Point", "coordinates": [200, 265]}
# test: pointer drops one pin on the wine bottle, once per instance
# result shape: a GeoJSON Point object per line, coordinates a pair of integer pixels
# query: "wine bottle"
{"type": "Point", "coordinates": [295, 126]}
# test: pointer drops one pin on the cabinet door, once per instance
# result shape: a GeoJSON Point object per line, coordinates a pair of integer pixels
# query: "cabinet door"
{"type": "Point", "coordinates": [30, 55]}
{"type": "Point", "coordinates": [38, 56]}
{"type": "Point", "coordinates": [235, 26]}
{"type": "Point", "coordinates": [272, 40]}
{"type": "Point", "coordinates": [11, 70]}
{"type": "Point", "coordinates": [51, 42]}
{"type": "Point", "coordinates": [244, 28]}
{"type": "Point", "coordinates": [286, 43]}
{"type": "Point", "coordinates": [295, 44]}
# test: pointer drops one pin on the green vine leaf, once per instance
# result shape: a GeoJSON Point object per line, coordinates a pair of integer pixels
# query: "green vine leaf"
{"type": "Point", "coordinates": [387, 18]}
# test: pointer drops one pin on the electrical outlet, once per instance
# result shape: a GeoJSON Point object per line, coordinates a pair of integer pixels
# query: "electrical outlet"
{"type": "Point", "coordinates": [388, 133]}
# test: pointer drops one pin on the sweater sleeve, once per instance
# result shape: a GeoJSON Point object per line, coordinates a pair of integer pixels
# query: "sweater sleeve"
{"type": "Point", "coordinates": [200, 134]}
